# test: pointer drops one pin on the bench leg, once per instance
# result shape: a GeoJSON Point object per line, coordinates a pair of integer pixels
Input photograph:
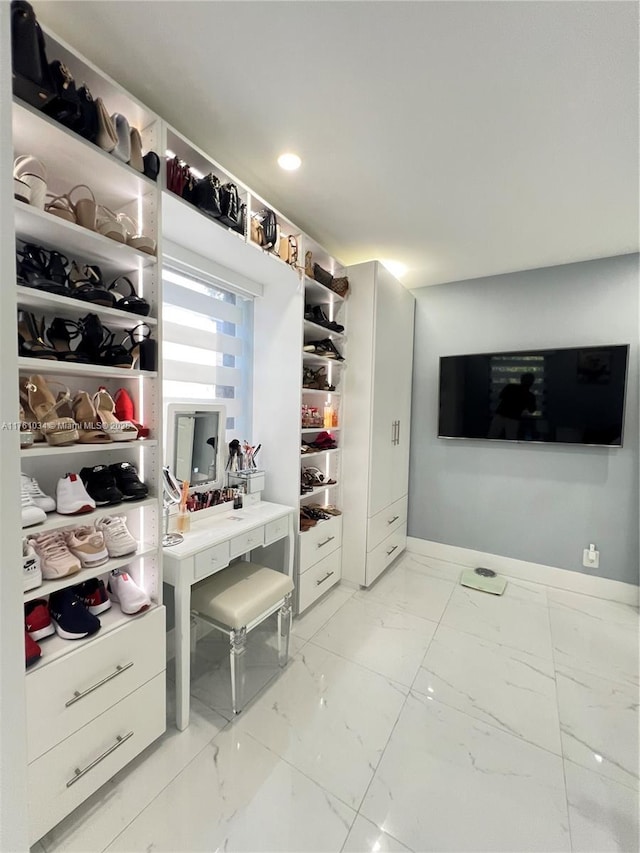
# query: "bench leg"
{"type": "Point", "coordinates": [238, 644]}
{"type": "Point", "coordinates": [284, 629]}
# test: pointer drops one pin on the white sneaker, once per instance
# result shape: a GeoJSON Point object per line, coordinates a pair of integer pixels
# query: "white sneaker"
{"type": "Point", "coordinates": [31, 573]}
{"type": "Point", "coordinates": [125, 592]}
{"type": "Point", "coordinates": [56, 560]}
{"type": "Point", "coordinates": [72, 497]}
{"type": "Point", "coordinates": [117, 538]}
{"type": "Point", "coordinates": [31, 514]}
{"type": "Point", "coordinates": [31, 487]}
{"type": "Point", "coordinates": [87, 544]}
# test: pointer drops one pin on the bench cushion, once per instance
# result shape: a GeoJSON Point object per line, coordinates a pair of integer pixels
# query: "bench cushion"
{"type": "Point", "coordinates": [239, 594]}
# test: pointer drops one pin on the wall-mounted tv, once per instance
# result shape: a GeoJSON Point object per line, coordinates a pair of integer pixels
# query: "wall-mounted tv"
{"type": "Point", "coordinates": [563, 396]}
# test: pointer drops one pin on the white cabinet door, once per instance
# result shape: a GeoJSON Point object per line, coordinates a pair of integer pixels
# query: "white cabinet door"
{"type": "Point", "coordinates": [405, 304]}
{"type": "Point", "coordinates": [383, 404]}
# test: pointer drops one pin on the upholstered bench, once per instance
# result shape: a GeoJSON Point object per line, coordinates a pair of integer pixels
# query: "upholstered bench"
{"type": "Point", "coordinates": [235, 601]}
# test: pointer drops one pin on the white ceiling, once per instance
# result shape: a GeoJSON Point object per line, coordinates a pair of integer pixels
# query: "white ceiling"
{"type": "Point", "coordinates": [462, 138]}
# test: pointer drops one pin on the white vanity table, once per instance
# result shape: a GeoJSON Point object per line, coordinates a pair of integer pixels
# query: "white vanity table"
{"type": "Point", "coordinates": [208, 548]}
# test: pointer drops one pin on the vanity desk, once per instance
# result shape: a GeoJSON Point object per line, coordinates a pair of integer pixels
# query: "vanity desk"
{"type": "Point", "coordinates": [207, 548]}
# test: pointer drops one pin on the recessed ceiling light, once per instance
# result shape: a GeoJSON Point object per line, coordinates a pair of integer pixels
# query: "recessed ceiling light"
{"type": "Point", "coordinates": [396, 268]}
{"type": "Point", "coordinates": [289, 162]}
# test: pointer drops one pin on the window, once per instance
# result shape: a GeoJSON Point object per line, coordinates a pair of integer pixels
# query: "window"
{"type": "Point", "coordinates": [207, 331]}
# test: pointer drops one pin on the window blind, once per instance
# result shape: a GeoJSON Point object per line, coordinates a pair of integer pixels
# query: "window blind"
{"type": "Point", "coordinates": [206, 334]}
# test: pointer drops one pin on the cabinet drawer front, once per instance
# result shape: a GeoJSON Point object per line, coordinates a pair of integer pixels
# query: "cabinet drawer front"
{"type": "Point", "coordinates": [386, 552]}
{"type": "Point", "coordinates": [70, 692]}
{"type": "Point", "coordinates": [319, 542]}
{"type": "Point", "coordinates": [211, 560]}
{"type": "Point", "coordinates": [56, 781]}
{"type": "Point", "coordinates": [383, 523]}
{"type": "Point", "coordinates": [275, 530]}
{"type": "Point", "coordinates": [241, 544]}
{"type": "Point", "coordinates": [319, 578]}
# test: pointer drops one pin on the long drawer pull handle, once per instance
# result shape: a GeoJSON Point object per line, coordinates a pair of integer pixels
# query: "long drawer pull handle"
{"type": "Point", "coordinates": [325, 578]}
{"type": "Point", "coordinates": [392, 550]}
{"type": "Point", "coordinates": [77, 695]}
{"type": "Point", "coordinates": [391, 520]}
{"type": "Point", "coordinates": [326, 541]}
{"type": "Point", "coordinates": [80, 773]}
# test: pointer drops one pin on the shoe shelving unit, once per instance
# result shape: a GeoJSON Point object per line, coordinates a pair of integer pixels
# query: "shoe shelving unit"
{"type": "Point", "coordinates": [71, 160]}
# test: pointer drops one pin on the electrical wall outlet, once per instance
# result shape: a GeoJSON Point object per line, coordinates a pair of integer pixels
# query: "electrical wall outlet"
{"type": "Point", "coordinates": [591, 557]}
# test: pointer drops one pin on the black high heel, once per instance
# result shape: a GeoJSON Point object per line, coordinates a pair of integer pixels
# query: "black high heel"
{"type": "Point", "coordinates": [143, 349]}
{"type": "Point", "coordinates": [32, 263]}
{"type": "Point", "coordinates": [30, 338]}
{"type": "Point", "coordinates": [92, 339]}
{"type": "Point", "coordinates": [131, 301]}
{"type": "Point", "coordinates": [86, 283]}
{"type": "Point", "coordinates": [60, 334]}
{"type": "Point", "coordinates": [115, 355]}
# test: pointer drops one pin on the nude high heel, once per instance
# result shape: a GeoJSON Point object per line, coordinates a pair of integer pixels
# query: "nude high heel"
{"type": "Point", "coordinates": [89, 424]}
{"type": "Point", "coordinates": [37, 398]}
{"type": "Point", "coordinates": [105, 407]}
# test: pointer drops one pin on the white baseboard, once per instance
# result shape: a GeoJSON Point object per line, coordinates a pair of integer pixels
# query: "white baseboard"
{"type": "Point", "coordinates": [624, 593]}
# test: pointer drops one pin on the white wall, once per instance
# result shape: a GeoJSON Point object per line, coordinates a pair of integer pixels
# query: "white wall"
{"type": "Point", "coordinates": [543, 504]}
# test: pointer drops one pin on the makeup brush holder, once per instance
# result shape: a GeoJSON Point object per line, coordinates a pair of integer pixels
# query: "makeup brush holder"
{"type": "Point", "coordinates": [252, 480]}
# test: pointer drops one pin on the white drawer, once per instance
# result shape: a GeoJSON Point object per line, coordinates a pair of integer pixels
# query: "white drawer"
{"type": "Point", "coordinates": [385, 554]}
{"type": "Point", "coordinates": [100, 749]}
{"type": "Point", "coordinates": [319, 541]}
{"type": "Point", "coordinates": [275, 530]}
{"type": "Point", "coordinates": [385, 522]}
{"type": "Point", "coordinates": [241, 544]}
{"type": "Point", "coordinates": [70, 692]}
{"type": "Point", "coordinates": [211, 560]}
{"type": "Point", "coordinates": [321, 577]}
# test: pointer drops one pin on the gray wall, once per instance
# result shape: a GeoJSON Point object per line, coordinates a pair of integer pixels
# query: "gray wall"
{"type": "Point", "coordinates": [538, 503]}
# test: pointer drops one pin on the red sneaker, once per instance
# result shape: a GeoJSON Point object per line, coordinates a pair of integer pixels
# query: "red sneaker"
{"type": "Point", "coordinates": [37, 621]}
{"type": "Point", "coordinates": [126, 411]}
{"type": "Point", "coordinates": [32, 650]}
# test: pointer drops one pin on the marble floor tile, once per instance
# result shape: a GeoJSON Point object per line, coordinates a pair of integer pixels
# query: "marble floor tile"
{"type": "Point", "coordinates": [406, 587]}
{"type": "Point", "coordinates": [306, 625]}
{"type": "Point", "coordinates": [366, 837]}
{"type": "Point", "coordinates": [433, 567]}
{"type": "Point", "coordinates": [603, 814]}
{"type": "Point", "coordinates": [239, 796]}
{"type": "Point", "coordinates": [502, 686]}
{"type": "Point", "coordinates": [95, 823]}
{"type": "Point", "coordinates": [595, 635]}
{"type": "Point", "coordinates": [518, 619]}
{"type": "Point", "coordinates": [448, 782]}
{"type": "Point", "coordinates": [599, 724]}
{"type": "Point", "coordinates": [328, 717]}
{"type": "Point", "coordinates": [387, 641]}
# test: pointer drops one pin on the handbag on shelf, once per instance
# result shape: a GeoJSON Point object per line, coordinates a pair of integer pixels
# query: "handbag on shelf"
{"type": "Point", "coordinates": [230, 205]}
{"type": "Point", "coordinates": [122, 148]}
{"type": "Point", "coordinates": [177, 175]}
{"type": "Point", "coordinates": [242, 221]}
{"type": "Point", "coordinates": [340, 285]}
{"type": "Point", "coordinates": [135, 159]}
{"type": "Point", "coordinates": [106, 137]}
{"type": "Point", "coordinates": [65, 107]}
{"type": "Point", "coordinates": [257, 231]}
{"type": "Point", "coordinates": [308, 264]}
{"type": "Point", "coordinates": [270, 228]}
{"type": "Point", "coordinates": [288, 249]}
{"type": "Point", "coordinates": [207, 195]}
{"type": "Point", "coordinates": [322, 276]}
{"type": "Point", "coordinates": [151, 164]}
{"type": "Point", "coordinates": [30, 72]}
{"type": "Point", "coordinates": [189, 188]}
{"type": "Point", "coordinates": [88, 125]}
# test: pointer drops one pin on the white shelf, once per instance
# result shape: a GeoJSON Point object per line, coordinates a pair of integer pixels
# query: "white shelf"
{"type": "Point", "coordinates": [62, 368]}
{"type": "Point", "coordinates": [319, 453]}
{"type": "Point", "coordinates": [309, 430]}
{"type": "Point", "coordinates": [315, 392]}
{"type": "Point", "coordinates": [312, 358]}
{"type": "Point", "coordinates": [322, 332]}
{"type": "Point", "coordinates": [72, 309]}
{"type": "Point", "coordinates": [44, 449]}
{"type": "Point", "coordinates": [317, 294]}
{"type": "Point", "coordinates": [49, 586]}
{"type": "Point", "coordinates": [55, 647]}
{"type": "Point", "coordinates": [55, 521]}
{"type": "Point", "coordinates": [77, 243]}
{"type": "Point", "coordinates": [72, 160]}
{"type": "Point", "coordinates": [317, 490]}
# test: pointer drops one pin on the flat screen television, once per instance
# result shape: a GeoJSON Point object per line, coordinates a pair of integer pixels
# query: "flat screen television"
{"type": "Point", "coordinates": [563, 396]}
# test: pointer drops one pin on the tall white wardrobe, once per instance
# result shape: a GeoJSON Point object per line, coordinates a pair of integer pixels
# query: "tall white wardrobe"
{"type": "Point", "coordinates": [377, 422]}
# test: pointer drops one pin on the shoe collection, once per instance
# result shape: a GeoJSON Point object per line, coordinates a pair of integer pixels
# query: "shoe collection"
{"type": "Point", "coordinates": [311, 514]}
{"type": "Point", "coordinates": [77, 494]}
{"type": "Point", "coordinates": [312, 478]}
{"type": "Point", "coordinates": [323, 441]}
{"type": "Point", "coordinates": [72, 613]}
{"type": "Point", "coordinates": [324, 348]}
{"type": "Point", "coordinates": [315, 314]}
{"type": "Point", "coordinates": [52, 272]}
{"type": "Point", "coordinates": [62, 420]}
{"type": "Point", "coordinates": [316, 379]}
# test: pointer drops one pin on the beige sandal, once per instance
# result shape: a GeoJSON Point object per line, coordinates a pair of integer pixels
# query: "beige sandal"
{"type": "Point", "coordinates": [115, 429]}
{"type": "Point", "coordinates": [108, 224]}
{"type": "Point", "coordinates": [61, 206]}
{"type": "Point", "coordinates": [89, 426]}
{"type": "Point", "coordinates": [37, 398]}
{"type": "Point", "coordinates": [134, 238]}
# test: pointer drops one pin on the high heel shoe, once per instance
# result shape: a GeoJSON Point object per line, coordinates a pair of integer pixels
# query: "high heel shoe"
{"type": "Point", "coordinates": [126, 411]}
{"type": "Point", "coordinates": [134, 238]}
{"type": "Point", "coordinates": [86, 283]}
{"type": "Point", "coordinates": [36, 397]}
{"type": "Point", "coordinates": [30, 338]}
{"type": "Point", "coordinates": [143, 349]}
{"type": "Point", "coordinates": [131, 301]}
{"type": "Point", "coordinates": [60, 334]}
{"type": "Point", "coordinates": [115, 355]}
{"type": "Point", "coordinates": [89, 425]}
{"type": "Point", "coordinates": [92, 339]}
{"type": "Point", "coordinates": [32, 264]}
{"type": "Point", "coordinates": [26, 433]}
{"type": "Point", "coordinates": [116, 429]}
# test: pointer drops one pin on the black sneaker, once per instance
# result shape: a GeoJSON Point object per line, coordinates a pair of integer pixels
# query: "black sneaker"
{"type": "Point", "coordinates": [127, 480]}
{"type": "Point", "coordinates": [70, 617]}
{"type": "Point", "coordinates": [101, 485]}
